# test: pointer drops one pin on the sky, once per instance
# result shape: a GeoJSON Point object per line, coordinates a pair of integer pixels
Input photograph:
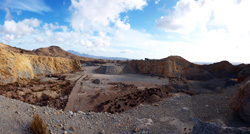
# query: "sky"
{"type": "Point", "coordinates": [198, 30]}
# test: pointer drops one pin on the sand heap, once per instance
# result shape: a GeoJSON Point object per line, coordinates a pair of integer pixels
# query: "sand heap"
{"type": "Point", "coordinates": [18, 67]}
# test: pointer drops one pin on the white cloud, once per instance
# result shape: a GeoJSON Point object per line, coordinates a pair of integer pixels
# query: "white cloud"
{"type": "Point", "coordinates": [55, 26]}
{"type": "Point", "coordinates": [59, 39]}
{"type": "Point", "coordinates": [49, 33]}
{"type": "Point", "coordinates": [19, 12]}
{"type": "Point", "coordinates": [100, 41]}
{"type": "Point", "coordinates": [95, 14]}
{"type": "Point", "coordinates": [37, 6]}
{"type": "Point", "coordinates": [8, 37]}
{"type": "Point", "coordinates": [20, 28]}
{"type": "Point", "coordinates": [122, 25]}
{"type": "Point", "coordinates": [32, 22]}
{"type": "Point", "coordinates": [39, 39]}
{"type": "Point", "coordinates": [126, 51]}
{"type": "Point", "coordinates": [8, 14]}
{"type": "Point", "coordinates": [215, 30]}
{"type": "Point", "coordinates": [191, 15]}
{"type": "Point", "coordinates": [157, 1]}
{"type": "Point", "coordinates": [187, 15]}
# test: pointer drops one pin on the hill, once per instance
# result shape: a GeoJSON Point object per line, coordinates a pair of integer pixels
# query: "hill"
{"type": "Point", "coordinates": [53, 51]}
{"type": "Point", "coordinates": [17, 66]}
{"type": "Point", "coordinates": [96, 57]}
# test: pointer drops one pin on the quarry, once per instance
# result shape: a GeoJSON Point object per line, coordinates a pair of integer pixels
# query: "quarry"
{"type": "Point", "coordinates": [76, 94]}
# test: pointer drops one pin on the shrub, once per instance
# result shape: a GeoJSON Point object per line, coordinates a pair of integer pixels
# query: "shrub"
{"type": "Point", "coordinates": [37, 125]}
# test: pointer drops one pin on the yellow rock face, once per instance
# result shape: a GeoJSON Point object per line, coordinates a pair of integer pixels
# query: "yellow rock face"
{"type": "Point", "coordinates": [168, 67]}
{"type": "Point", "coordinates": [17, 67]}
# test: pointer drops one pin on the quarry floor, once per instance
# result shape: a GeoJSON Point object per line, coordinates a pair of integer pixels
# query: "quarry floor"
{"type": "Point", "coordinates": [81, 97]}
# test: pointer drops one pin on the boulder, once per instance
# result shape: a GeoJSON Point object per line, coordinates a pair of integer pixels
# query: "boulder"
{"type": "Point", "coordinates": [154, 98]}
{"type": "Point", "coordinates": [240, 102]}
{"type": "Point", "coordinates": [96, 81]}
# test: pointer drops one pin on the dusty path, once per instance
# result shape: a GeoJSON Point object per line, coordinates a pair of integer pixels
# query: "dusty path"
{"type": "Point", "coordinates": [71, 101]}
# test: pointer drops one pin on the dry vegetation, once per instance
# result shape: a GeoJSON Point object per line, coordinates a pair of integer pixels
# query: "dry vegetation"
{"type": "Point", "coordinates": [37, 125]}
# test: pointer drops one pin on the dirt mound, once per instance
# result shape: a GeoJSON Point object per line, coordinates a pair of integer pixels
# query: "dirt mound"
{"type": "Point", "coordinates": [117, 69]}
{"type": "Point", "coordinates": [109, 69]}
{"type": "Point", "coordinates": [21, 67]}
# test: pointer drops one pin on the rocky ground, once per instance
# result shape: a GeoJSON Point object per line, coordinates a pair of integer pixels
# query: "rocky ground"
{"type": "Point", "coordinates": [172, 115]}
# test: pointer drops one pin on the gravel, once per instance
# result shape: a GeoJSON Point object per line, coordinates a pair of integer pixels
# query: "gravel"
{"type": "Point", "coordinates": [16, 116]}
{"type": "Point", "coordinates": [172, 115]}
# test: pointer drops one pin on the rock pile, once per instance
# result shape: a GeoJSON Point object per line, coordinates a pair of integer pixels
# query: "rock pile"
{"type": "Point", "coordinates": [123, 103]}
{"type": "Point", "coordinates": [125, 68]}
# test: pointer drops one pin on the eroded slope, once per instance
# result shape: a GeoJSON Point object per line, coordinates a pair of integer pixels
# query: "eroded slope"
{"type": "Point", "coordinates": [18, 67]}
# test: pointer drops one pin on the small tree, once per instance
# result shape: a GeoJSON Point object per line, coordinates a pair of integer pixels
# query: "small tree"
{"type": "Point", "coordinates": [37, 125]}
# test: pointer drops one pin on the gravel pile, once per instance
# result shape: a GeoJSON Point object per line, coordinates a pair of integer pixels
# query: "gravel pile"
{"type": "Point", "coordinates": [127, 68]}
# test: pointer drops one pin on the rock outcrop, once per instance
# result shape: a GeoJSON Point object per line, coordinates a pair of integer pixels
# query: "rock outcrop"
{"type": "Point", "coordinates": [240, 102]}
{"type": "Point", "coordinates": [169, 67]}
{"type": "Point", "coordinates": [18, 67]}
{"type": "Point", "coordinates": [220, 69]}
{"type": "Point", "coordinates": [175, 66]}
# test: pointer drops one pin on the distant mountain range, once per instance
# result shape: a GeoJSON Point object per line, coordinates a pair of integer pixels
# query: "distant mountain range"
{"type": "Point", "coordinates": [96, 57]}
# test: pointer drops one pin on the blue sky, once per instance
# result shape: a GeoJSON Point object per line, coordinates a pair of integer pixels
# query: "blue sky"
{"type": "Point", "coordinates": [198, 30]}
